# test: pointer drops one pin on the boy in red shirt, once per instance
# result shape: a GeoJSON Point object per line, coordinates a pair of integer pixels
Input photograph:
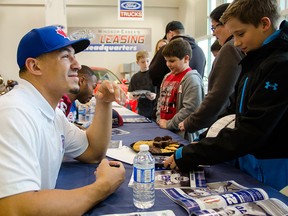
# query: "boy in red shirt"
{"type": "Point", "coordinates": [181, 91]}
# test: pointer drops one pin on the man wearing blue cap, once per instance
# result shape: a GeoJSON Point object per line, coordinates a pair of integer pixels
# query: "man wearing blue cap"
{"type": "Point", "coordinates": [35, 134]}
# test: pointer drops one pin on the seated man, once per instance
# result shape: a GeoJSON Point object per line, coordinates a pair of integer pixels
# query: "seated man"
{"type": "Point", "coordinates": [87, 83]}
{"type": "Point", "coordinates": [37, 134]}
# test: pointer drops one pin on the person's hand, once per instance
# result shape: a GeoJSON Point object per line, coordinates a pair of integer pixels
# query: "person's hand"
{"type": "Point", "coordinates": [132, 96]}
{"type": "Point", "coordinates": [162, 123]}
{"type": "Point", "coordinates": [109, 92]}
{"type": "Point", "coordinates": [112, 173]}
{"type": "Point", "coordinates": [181, 126]}
{"type": "Point", "coordinates": [150, 95]}
{"type": "Point", "coordinates": [170, 162]}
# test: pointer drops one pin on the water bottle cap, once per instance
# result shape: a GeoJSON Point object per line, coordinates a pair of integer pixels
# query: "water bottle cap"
{"type": "Point", "coordinates": [144, 147]}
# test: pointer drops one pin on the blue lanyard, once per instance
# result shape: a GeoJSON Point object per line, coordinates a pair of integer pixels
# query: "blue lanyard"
{"type": "Point", "coordinates": [242, 95]}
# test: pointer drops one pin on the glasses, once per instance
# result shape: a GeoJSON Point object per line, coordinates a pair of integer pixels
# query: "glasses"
{"type": "Point", "coordinates": [213, 28]}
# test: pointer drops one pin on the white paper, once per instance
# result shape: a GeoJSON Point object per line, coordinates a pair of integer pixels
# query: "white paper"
{"type": "Point", "coordinates": [115, 104]}
{"type": "Point", "coordinates": [123, 153]}
{"type": "Point", "coordinates": [123, 110]}
{"type": "Point", "coordinates": [117, 131]}
{"type": "Point", "coordinates": [153, 213]}
{"type": "Point", "coordinates": [115, 143]}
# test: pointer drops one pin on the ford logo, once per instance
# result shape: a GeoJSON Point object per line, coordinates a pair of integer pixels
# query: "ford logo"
{"type": "Point", "coordinates": [131, 5]}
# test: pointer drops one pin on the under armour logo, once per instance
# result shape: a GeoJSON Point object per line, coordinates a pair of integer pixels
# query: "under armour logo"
{"type": "Point", "coordinates": [273, 86]}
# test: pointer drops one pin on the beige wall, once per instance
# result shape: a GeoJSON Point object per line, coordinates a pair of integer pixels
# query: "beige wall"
{"type": "Point", "coordinates": [16, 18]}
{"type": "Point", "coordinates": [193, 13]}
{"type": "Point", "coordinates": [14, 22]}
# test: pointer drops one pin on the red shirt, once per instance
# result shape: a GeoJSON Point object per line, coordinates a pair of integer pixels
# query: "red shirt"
{"type": "Point", "coordinates": [168, 94]}
{"type": "Point", "coordinates": [65, 104]}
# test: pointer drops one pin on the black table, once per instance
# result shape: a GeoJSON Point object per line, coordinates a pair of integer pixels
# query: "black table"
{"type": "Point", "coordinates": [74, 174]}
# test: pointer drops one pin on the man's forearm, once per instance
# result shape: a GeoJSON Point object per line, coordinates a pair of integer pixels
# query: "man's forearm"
{"type": "Point", "coordinates": [54, 202]}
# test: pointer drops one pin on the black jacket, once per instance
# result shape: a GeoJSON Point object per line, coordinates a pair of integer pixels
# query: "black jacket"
{"type": "Point", "coordinates": [158, 68]}
{"type": "Point", "coordinates": [261, 107]}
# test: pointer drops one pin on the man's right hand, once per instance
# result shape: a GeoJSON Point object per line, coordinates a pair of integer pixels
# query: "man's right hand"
{"type": "Point", "coordinates": [111, 173]}
{"type": "Point", "coordinates": [66, 202]}
{"type": "Point", "coordinates": [109, 92]}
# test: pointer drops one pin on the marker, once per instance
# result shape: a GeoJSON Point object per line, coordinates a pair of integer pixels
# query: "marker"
{"type": "Point", "coordinates": [114, 165]}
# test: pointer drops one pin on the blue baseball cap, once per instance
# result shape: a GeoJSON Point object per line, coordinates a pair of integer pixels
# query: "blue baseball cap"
{"type": "Point", "coordinates": [44, 40]}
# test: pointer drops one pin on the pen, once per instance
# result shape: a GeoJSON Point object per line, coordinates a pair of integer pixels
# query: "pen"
{"type": "Point", "coordinates": [114, 165]}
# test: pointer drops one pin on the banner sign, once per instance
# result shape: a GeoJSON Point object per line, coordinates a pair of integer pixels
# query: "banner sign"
{"type": "Point", "coordinates": [113, 39]}
{"type": "Point", "coordinates": [131, 9]}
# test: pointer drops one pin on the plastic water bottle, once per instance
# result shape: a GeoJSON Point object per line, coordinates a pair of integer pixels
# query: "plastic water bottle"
{"type": "Point", "coordinates": [92, 105]}
{"type": "Point", "coordinates": [81, 112]}
{"type": "Point", "coordinates": [144, 175]}
{"type": "Point", "coordinates": [87, 112]}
